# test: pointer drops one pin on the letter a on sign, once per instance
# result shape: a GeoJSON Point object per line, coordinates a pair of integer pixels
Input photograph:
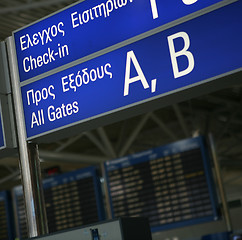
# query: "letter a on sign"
{"type": "Point", "coordinates": [139, 77]}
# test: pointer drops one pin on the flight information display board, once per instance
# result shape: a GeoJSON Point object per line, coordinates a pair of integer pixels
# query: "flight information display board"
{"type": "Point", "coordinates": [72, 200]}
{"type": "Point", "coordinates": [171, 185]}
{"type": "Point", "coordinates": [8, 143]}
{"type": "Point", "coordinates": [6, 225]}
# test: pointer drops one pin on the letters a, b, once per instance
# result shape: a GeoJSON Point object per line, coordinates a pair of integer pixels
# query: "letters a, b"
{"type": "Point", "coordinates": [140, 77]}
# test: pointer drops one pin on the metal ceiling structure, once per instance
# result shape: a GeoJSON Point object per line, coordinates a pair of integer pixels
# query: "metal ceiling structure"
{"type": "Point", "coordinates": [219, 113]}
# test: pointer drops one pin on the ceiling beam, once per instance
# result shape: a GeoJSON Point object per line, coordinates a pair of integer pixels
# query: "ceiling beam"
{"type": "Point", "coordinates": [68, 143]}
{"type": "Point", "coordinates": [106, 142]}
{"type": "Point", "coordinates": [65, 157]}
{"type": "Point", "coordinates": [225, 128]}
{"type": "Point", "coordinates": [235, 177]}
{"type": "Point", "coordinates": [96, 141]}
{"type": "Point", "coordinates": [134, 134]}
{"type": "Point", "coordinates": [163, 126]}
{"type": "Point", "coordinates": [224, 102]}
{"type": "Point", "coordinates": [181, 119]}
{"type": "Point", "coordinates": [31, 5]}
{"type": "Point", "coordinates": [232, 164]}
{"type": "Point", "coordinates": [9, 177]}
{"type": "Point", "coordinates": [121, 136]}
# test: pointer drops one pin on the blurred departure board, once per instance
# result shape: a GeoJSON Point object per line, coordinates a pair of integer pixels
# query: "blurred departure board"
{"type": "Point", "coordinates": [72, 200]}
{"type": "Point", "coordinates": [6, 217]}
{"type": "Point", "coordinates": [171, 185]}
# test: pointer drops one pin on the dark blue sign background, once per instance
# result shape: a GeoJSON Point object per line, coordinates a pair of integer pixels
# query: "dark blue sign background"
{"type": "Point", "coordinates": [215, 42]}
{"type": "Point", "coordinates": [97, 33]}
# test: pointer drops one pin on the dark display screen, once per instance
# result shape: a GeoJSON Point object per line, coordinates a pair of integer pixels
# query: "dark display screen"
{"type": "Point", "coordinates": [171, 185]}
{"type": "Point", "coordinates": [6, 225]}
{"type": "Point", "coordinates": [71, 200]}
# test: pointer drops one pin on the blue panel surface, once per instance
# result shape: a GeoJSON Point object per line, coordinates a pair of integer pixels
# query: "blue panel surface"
{"type": "Point", "coordinates": [90, 26]}
{"type": "Point", "coordinates": [97, 87]}
{"type": "Point", "coordinates": [172, 185]}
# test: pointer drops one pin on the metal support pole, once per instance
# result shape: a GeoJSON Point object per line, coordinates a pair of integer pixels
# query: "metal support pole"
{"type": "Point", "coordinates": [220, 184]}
{"type": "Point", "coordinates": [38, 193]}
{"type": "Point", "coordinates": [106, 194]}
{"type": "Point", "coordinates": [29, 161]}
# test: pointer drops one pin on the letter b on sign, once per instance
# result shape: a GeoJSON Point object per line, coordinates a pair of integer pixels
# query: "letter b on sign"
{"type": "Point", "coordinates": [184, 52]}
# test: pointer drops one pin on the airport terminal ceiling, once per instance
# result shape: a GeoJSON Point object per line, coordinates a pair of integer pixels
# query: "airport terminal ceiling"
{"type": "Point", "coordinates": [219, 113]}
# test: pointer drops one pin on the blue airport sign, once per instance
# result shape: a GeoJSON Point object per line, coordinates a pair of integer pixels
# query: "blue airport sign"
{"type": "Point", "coordinates": [90, 26]}
{"type": "Point", "coordinates": [183, 57]}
